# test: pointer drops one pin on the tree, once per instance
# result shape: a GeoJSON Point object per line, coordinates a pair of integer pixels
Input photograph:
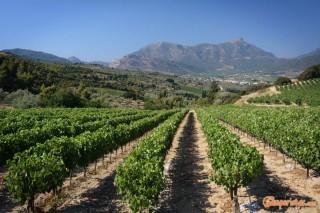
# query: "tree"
{"type": "Point", "coordinates": [214, 88]}
{"type": "Point", "coordinates": [282, 81]}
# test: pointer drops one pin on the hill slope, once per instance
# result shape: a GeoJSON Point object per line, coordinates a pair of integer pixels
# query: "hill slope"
{"type": "Point", "coordinates": [302, 92]}
{"type": "Point", "coordinates": [36, 55]}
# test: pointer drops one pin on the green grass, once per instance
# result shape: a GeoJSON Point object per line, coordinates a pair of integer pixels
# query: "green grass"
{"type": "Point", "coordinates": [191, 89]}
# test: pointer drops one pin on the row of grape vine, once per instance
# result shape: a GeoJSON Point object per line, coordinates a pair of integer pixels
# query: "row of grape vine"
{"type": "Point", "coordinates": [140, 178]}
{"type": "Point", "coordinates": [44, 167]}
{"type": "Point", "coordinates": [293, 131]}
{"type": "Point", "coordinates": [234, 163]}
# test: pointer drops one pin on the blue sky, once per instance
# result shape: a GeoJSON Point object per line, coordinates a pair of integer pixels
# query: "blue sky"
{"type": "Point", "coordinates": [108, 29]}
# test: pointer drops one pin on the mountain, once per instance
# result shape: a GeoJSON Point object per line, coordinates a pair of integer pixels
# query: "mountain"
{"type": "Point", "coordinates": [42, 56]}
{"type": "Point", "coordinates": [229, 57]}
{"type": "Point", "coordinates": [36, 55]}
{"type": "Point", "coordinates": [74, 60]}
{"type": "Point", "coordinates": [311, 54]}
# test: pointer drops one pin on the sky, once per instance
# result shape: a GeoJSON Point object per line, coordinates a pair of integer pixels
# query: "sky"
{"type": "Point", "coordinates": [104, 30]}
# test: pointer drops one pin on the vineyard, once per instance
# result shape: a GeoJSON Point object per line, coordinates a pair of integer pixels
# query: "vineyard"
{"type": "Point", "coordinates": [44, 151]}
{"type": "Point", "coordinates": [293, 131]}
{"type": "Point", "coordinates": [300, 92]}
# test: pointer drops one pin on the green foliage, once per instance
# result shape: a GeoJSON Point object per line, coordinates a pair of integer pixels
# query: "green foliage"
{"type": "Point", "coordinates": [191, 89]}
{"type": "Point", "coordinates": [225, 98]}
{"type": "Point", "coordinates": [140, 178]}
{"type": "Point", "coordinates": [51, 97]}
{"type": "Point", "coordinates": [22, 99]}
{"type": "Point", "coordinates": [293, 131]}
{"type": "Point", "coordinates": [45, 166]}
{"type": "Point", "coordinates": [253, 88]}
{"type": "Point", "coordinates": [299, 92]}
{"type": "Point", "coordinates": [282, 81]}
{"type": "Point", "coordinates": [310, 73]}
{"type": "Point", "coordinates": [89, 82]}
{"type": "Point", "coordinates": [33, 172]}
{"type": "Point", "coordinates": [25, 129]}
{"type": "Point", "coordinates": [234, 164]}
{"type": "Point", "coordinates": [214, 88]}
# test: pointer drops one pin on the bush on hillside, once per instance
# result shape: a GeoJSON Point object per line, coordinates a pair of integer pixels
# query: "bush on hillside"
{"type": "Point", "coordinates": [253, 88]}
{"type": "Point", "coordinates": [3, 94]}
{"type": "Point", "coordinates": [282, 81]}
{"type": "Point", "coordinates": [310, 73]}
{"type": "Point", "coordinates": [22, 99]}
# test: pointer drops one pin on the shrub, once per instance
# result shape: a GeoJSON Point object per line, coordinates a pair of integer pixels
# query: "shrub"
{"type": "Point", "coordinates": [298, 101]}
{"type": "Point", "coordinates": [22, 99]}
{"type": "Point", "coordinates": [282, 81]}
{"type": "Point", "coordinates": [3, 94]}
{"type": "Point", "coordinates": [310, 73]}
{"type": "Point", "coordinates": [286, 101]}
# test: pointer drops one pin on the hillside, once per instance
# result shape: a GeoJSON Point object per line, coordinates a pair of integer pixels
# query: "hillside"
{"type": "Point", "coordinates": [36, 55]}
{"type": "Point", "coordinates": [299, 93]}
{"type": "Point", "coordinates": [237, 56]}
{"type": "Point", "coordinates": [112, 86]}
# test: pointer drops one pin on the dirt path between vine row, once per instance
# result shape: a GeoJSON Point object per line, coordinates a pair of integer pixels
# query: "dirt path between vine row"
{"type": "Point", "coordinates": [188, 171]}
{"type": "Point", "coordinates": [280, 180]}
{"type": "Point", "coordinates": [97, 192]}
{"type": "Point", "coordinates": [93, 193]}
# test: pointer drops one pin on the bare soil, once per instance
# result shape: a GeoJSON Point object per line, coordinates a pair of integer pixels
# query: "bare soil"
{"type": "Point", "coordinates": [189, 188]}
{"type": "Point", "coordinates": [6, 106]}
{"type": "Point", "coordinates": [245, 98]}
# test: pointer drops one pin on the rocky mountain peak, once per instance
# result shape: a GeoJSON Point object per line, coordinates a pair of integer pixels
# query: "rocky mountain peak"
{"type": "Point", "coordinates": [74, 59]}
{"type": "Point", "coordinates": [232, 57]}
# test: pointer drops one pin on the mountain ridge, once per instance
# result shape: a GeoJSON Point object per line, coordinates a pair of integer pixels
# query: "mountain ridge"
{"type": "Point", "coordinates": [228, 57]}
{"type": "Point", "coordinates": [36, 55]}
{"type": "Point", "coordinates": [43, 56]}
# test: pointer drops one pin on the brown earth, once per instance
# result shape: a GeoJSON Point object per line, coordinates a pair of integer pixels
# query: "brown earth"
{"type": "Point", "coordinates": [245, 98]}
{"type": "Point", "coordinates": [189, 188]}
